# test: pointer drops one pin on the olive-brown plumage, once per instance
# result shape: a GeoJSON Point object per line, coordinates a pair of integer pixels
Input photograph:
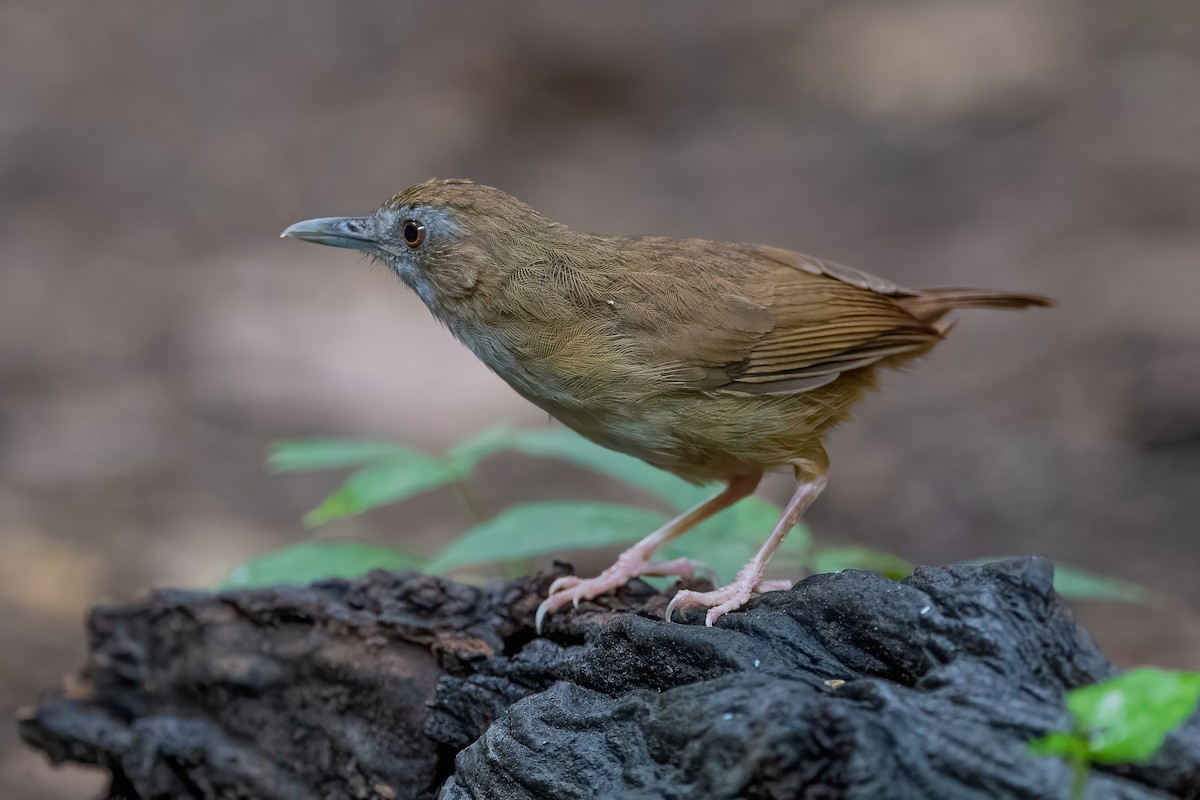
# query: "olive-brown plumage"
{"type": "Point", "coordinates": [715, 361]}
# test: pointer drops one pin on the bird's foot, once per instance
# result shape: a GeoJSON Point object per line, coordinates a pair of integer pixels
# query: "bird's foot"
{"type": "Point", "coordinates": [630, 565]}
{"type": "Point", "coordinates": [729, 597]}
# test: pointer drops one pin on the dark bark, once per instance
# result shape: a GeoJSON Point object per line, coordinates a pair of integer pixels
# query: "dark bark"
{"type": "Point", "coordinates": [399, 685]}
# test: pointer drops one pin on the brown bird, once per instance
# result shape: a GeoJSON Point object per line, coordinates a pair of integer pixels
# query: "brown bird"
{"type": "Point", "coordinates": [714, 361]}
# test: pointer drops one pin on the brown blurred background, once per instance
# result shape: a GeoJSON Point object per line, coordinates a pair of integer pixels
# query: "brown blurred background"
{"type": "Point", "coordinates": [155, 334]}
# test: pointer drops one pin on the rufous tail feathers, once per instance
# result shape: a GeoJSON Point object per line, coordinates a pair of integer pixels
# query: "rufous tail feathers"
{"type": "Point", "coordinates": [931, 304]}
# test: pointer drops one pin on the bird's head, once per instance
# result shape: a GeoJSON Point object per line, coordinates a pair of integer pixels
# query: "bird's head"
{"type": "Point", "coordinates": [447, 240]}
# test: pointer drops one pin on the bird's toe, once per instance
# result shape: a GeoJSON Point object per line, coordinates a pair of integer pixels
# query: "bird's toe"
{"type": "Point", "coordinates": [563, 583]}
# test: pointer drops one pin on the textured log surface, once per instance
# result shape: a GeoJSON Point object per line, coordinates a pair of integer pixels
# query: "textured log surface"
{"type": "Point", "coordinates": [399, 685]}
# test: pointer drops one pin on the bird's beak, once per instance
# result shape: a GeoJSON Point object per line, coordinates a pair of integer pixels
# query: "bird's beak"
{"type": "Point", "coordinates": [357, 233]}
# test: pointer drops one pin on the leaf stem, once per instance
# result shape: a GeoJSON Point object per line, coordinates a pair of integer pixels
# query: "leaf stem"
{"type": "Point", "coordinates": [1079, 771]}
{"type": "Point", "coordinates": [467, 503]}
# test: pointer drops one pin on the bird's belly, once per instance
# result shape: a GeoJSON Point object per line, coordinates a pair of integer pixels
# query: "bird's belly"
{"type": "Point", "coordinates": [618, 417]}
{"type": "Point", "coordinates": [698, 435]}
{"type": "Point", "coordinates": [630, 430]}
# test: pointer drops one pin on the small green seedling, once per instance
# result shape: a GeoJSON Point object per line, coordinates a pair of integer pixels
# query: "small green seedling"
{"type": "Point", "coordinates": [314, 561]}
{"type": "Point", "coordinates": [383, 474]}
{"type": "Point", "coordinates": [1121, 721]}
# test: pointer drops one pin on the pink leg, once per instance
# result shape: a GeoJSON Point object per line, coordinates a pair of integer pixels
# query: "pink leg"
{"type": "Point", "coordinates": [749, 579]}
{"type": "Point", "coordinates": [636, 560]}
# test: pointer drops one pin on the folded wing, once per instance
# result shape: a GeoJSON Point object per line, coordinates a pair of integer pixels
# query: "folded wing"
{"type": "Point", "coordinates": [787, 323]}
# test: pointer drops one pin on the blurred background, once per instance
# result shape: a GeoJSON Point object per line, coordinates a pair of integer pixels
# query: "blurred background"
{"type": "Point", "coordinates": [155, 334]}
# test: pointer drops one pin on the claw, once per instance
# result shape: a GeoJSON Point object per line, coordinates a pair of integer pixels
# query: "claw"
{"type": "Point", "coordinates": [675, 601]}
{"type": "Point", "coordinates": [540, 617]}
{"type": "Point", "coordinates": [724, 599]}
{"type": "Point", "coordinates": [553, 603]}
{"type": "Point", "coordinates": [716, 612]}
{"type": "Point", "coordinates": [565, 582]}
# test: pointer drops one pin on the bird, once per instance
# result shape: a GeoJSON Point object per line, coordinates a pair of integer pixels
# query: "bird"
{"type": "Point", "coordinates": [715, 361]}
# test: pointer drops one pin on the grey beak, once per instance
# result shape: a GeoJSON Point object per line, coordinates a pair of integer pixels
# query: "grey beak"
{"type": "Point", "coordinates": [356, 233]}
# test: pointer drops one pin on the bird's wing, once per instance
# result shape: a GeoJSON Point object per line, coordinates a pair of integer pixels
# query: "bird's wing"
{"type": "Point", "coordinates": [782, 323]}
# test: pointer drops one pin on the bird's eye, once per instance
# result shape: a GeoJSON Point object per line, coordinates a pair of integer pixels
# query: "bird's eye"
{"type": "Point", "coordinates": [414, 233]}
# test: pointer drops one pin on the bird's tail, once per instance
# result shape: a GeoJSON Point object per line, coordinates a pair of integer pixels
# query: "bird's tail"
{"type": "Point", "coordinates": [930, 305]}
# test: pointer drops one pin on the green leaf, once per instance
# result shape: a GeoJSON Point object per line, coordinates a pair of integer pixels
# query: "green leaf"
{"type": "Point", "coordinates": [388, 481]}
{"type": "Point", "coordinates": [724, 556]}
{"type": "Point", "coordinates": [538, 529]}
{"type": "Point", "coordinates": [836, 559]}
{"type": "Point", "coordinates": [570, 446]}
{"type": "Point", "coordinates": [1127, 718]}
{"type": "Point", "coordinates": [1080, 584]}
{"type": "Point", "coordinates": [327, 454]}
{"type": "Point", "coordinates": [304, 563]}
{"type": "Point", "coordinates": [1083, 585]}
{"type": "Point", "coordinates": [466, 454]}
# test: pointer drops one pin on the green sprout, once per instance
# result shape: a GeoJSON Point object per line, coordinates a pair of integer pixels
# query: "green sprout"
{"type": "Point", "coordinates": [1124, 720]}
{"type": "Point", "coordinates": [383, 474]}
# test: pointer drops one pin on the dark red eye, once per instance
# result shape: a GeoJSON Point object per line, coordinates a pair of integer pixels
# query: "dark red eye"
{"type": "Point", "coordinates": [414, 233]}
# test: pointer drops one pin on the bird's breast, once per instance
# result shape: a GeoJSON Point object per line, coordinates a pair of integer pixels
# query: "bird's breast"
{"type": "Point", "coordinates": [553, 365]}
{"type": "Point", "coordinates": [585, 378]}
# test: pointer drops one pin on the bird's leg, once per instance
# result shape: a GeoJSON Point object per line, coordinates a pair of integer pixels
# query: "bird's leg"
{"type": "Point", "coordinates": [636, 560]}
{"type": "Point", "coordinates": [749, 580]}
